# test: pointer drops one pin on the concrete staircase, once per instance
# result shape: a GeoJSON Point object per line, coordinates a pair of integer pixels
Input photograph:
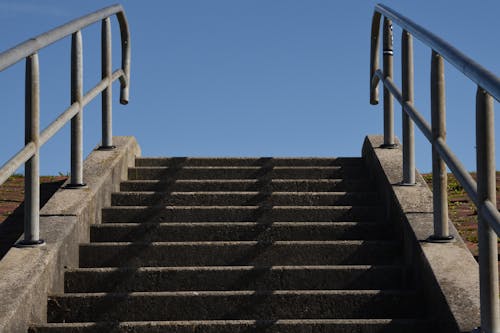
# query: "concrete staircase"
{"type": "Point", "coordinates": [240, 245]}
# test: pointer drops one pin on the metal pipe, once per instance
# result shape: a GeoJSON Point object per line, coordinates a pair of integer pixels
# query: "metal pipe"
{"type": "Point", "coordinates": [76, 179]}
{"type": "Point", "coordinates": [126, 51]}
{"type": "Point", "coordinates": [408, 97]}
{"type": "Point", "coordinates": [456, 167]}
{"type": "Point", "coordinates": [489, 210]}
{"type": "Point", "coordinates": [32, 166]}
{"type": "Point", "coordinates": [490, 213]}
{"type": "Point", "coordinates": [99, 87]}
{"type": "Point", "coordinates": [32, 45]}
{"type": "Point", "coordinates": [484, 193]}
{"type": "Point", "coordinates": [439, 175]}
{"type": "Point", "coordinates": [486, 183]}
{"type": "Point", "coordinates": [29, 154]}
{"type": "Point", "coordinates": [59, 123]}
{"type": "Point", "coordinates": [71, 111]}
{"type": "Point", "coordinates": [374, 56]}
{"type": "Point", "coordinates": [107, 140]}
{"type": "Point", "coordinates": [388, 72]}
{"type": "Point", "coordinates": [9, 167]}
{"type": "Point", "coordinates": [474, 71]}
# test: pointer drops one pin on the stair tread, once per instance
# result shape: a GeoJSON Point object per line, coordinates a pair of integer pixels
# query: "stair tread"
{"type": "Point", "coordinates": [212, 244]}
{"type": "Point", "coordinates": [247, 172]}
{"type": "Point", "coordinates": [412, 325]}
{"type": "Point", "coordinates": [307, 167]}
{"type": "Point", "coordinates": [245, 180]}
{"type": "Point", "coordinates": [250, 181]}
{"type": "Point", "coordinates": [251, 207]}
{"type": "Point", "coordinates": [298, 193]}
{"type": "Point", "coordinates": [251, 159]}
{"type": "Point", "coordinates": [200, 293]}
{"type": "Point", "coordinates": [244, 198]}
{"type": "Point", "coordinates": [195, 278]}
{"type": "Point", "coordinates": [229, 321]}
{"type": "Point", "coordinates": [249, 242]}
{"type": "Point", "coordinates": [244, 224]}
{"type": "Point", "coordinates": [232, 268]}
{"type": "Point", "coordinates": [324, 184]}
{"type": "Point", "coordinates": [242, 304]}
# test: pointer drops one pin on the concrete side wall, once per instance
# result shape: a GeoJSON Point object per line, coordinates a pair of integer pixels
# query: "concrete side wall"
{"type": "Point", "coordinates": [445, 274]}
{"type": "Point", "coordinates": [30, 274]}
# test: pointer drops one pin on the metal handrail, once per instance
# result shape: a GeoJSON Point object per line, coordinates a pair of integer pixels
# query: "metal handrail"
{"type": "Point", "coordinates": [482, 193]}
{"type": "Point", "coordinates": [34, 138]}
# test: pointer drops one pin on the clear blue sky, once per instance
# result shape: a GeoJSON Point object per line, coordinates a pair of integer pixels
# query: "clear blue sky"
{"type": "Point", "coordinates": [244, 78]}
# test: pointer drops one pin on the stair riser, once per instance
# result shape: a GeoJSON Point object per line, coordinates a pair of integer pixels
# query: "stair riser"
{"type": "Point", "coordinates": [242, 199]}
{"type": "Point", "coordinates": [133, 280]}
{"type": "Point", "coordinates": [240, 214]}
{"type": "Point", "coordinates": [134, 307]}
{"type": "Point", "coordinates": [264, 161]}
{"type": "Point", "coordinates": [223, 254]}
{"type": "Point", "coordinates": [235, 232]}
{"type": "Point", "coordinates": [249, 185]}
{"type": "Point", "coordinates": [241, 173]}
{"type": "Point", "coordinates": [260, 327]}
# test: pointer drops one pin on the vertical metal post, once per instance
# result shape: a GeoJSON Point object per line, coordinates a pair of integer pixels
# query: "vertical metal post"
{"type": "Point", "coordinates": [439, 176]}
{"type": "Point", "coordinates": [486, 181]}
{"type": "Point", "coordinates": [76, 180]}
{"type": "Point", "coordinates": [107, 140]}
{"type": "Point", "coordinates": [408, 96]}
{"type": "Point", "coordinates": [374, 56]}
{"type": "Point", "coordinates": [32, 166]}
{"type": "Point", "coordinates": [388, 99]}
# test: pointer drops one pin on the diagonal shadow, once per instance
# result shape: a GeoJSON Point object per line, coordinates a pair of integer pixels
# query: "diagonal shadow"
{"type": "Point", "coordinates": [13, 226]}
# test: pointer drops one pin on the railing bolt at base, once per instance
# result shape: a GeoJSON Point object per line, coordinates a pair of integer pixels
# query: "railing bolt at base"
{"type": "Point", "coordinates": [24, 243]}
{"type": "Point", "coordinates": [75, 186]}
{"type": "Point", "coordinates": [389, 146]}
{"type": "Point", "coordinates": [441, 239]}
{"type": "Point", "coordinates": [106, 148]}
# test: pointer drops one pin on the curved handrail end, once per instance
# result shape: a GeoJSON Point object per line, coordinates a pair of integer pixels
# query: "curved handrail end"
{"type": "Point", "coordinates": [374, 56]}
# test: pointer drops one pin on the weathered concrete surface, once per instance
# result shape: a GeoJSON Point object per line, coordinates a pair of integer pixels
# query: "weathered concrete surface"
{"type": "Point", "coordinates": [446, 274]}
{"type": "Point", "coordinates": [30, 274]}
{"type": "Point", "coordinates": [326, 277]}
{"type": "Point", "coordinates": [227, 253]}
{"type": "Point", "coordinates": [244, 326]}
{"type": "Point", "coordinates": [242, 304]}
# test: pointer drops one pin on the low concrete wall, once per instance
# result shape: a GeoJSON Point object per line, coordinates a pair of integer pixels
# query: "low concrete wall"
{"type": "Point", "coordinates": [28, 275]}
{"type": "Point", "coordinates": [445, 274]}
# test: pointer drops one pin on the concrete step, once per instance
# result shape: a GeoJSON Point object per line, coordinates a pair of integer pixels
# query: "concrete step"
{"type": "Point", "coordinates": [232, 305]}
{"type": "Point", "coordinates": [239, 253]}
{"type": "Point", "coordinates": [244, 326]}
{"type": "Point", "coordinates": [244, 198]}
{"type": "Point", "coordinates": [161, 213]}
{"type": "Point", "coordinates": [132, 279]}
{"type": "Point", "coordinates": [247, 161]}
{"type": "Point", "coordinates": [237, 231]}
{"type": "Point", "coordinates": [275, 185]}
{"type": "Point", "coordinates": [223, 172]}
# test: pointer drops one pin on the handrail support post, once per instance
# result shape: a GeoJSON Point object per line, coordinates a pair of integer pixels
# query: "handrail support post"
{"type": "Point", "coordinates": [29, 155]}
{"type": "Point", "coordinates": [388, 99]}
{"type": "Point", "coordinates": [76, 178]}
{"type": "Point", "coordinates": [408, 96]}
{"type": "Point", "coordinates": [486, 180]}
{"type": "Point", "coordinates": [32, 166]}
{"type": "Point", "coordinates": [106, 71]}
{"type": "Point", "coordinates": [439, 174]}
